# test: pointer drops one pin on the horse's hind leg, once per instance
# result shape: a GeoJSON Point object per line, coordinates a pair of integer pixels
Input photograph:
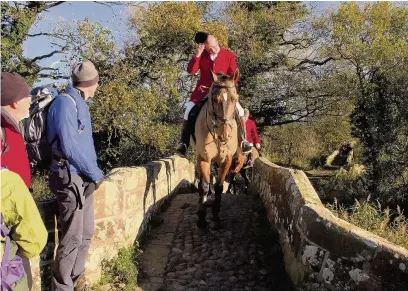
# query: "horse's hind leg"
{"type": "Point", "coordinates": [203, 168]}
{"type": "Point", "coordinates": [231, 186]}
{"type": "Point", "coordinates": [244, 174]}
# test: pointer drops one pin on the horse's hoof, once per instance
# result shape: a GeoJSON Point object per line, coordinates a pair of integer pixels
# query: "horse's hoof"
{"type": "Point", "coordinates": [216, 219]}
{"type": "Point", "coordinates": [217, 223]}
{"type": "Point", "coordinates": [202, 224]}
{"type": "Point", "coordinates": [218, 226]}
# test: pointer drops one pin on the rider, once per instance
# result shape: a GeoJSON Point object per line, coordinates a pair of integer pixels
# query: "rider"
{"type": "Point", "coordinates": [209, 56]}
{"type": "Point", "coordinates": [250, 125]}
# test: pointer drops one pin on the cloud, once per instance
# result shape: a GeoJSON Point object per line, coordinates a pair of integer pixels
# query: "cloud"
{"type": "Point", "coordinates": [54, 64]}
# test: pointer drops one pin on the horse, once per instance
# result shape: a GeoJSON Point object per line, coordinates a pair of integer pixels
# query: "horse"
{"type": "Point", "coordinates": [240, 166]}
{"type": "Point", "coordinates": [216, 134]}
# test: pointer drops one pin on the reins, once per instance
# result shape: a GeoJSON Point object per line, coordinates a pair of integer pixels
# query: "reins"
{"type": "Point", "coordinates": [215, 117]}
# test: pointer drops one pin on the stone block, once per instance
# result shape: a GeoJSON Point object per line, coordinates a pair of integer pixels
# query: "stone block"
{"type": "Point", "coordinates": [124, 204]}
{"type": "Point", "coordinates": [108, 229]}
{"type": "Point", "coordinates": [109, 200]}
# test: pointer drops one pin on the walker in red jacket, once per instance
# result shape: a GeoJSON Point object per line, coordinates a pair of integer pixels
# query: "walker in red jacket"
{"type": "Point", "coordinates": [252, 133]}
{"type": "Point", "coordinates": [210, 56]}
{"type": "Point", "coordinates": [15, 104]}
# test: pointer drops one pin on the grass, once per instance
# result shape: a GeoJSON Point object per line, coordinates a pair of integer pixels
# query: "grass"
{"type": "Point", "coordinates": [121, 272]}
{"type": "Point", "coordinates": [345, 186]}
{"type": "Point", "coordinates": [41, 190]}
{"type": "Point", "coordinates": [392, 226]}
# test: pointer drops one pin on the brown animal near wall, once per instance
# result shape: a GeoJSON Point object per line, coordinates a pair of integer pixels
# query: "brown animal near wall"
{"type": "Point", "coordinates": [216, 134]}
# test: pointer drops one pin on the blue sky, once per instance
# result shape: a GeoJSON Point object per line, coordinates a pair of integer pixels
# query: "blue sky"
{"type": "Point", "coordinates": [114, 18]}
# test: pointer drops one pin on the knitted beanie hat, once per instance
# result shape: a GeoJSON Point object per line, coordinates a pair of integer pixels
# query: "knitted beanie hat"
{"type": "Point", "coordinates": [85, 75]}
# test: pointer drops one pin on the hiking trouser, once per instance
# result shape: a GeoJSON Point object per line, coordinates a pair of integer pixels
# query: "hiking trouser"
{"type": "Point", "coordinates": [76, 216]}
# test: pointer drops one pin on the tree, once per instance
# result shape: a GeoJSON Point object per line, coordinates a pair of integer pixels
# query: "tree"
{"type": "Point", "coordinates": [373, 42]}
{"type": "Point", "coordinates": [283, 79]}
{"type": "Point", "coordinates": [16, 21]}
{"type": "Point", "coordinates": [18, 17]}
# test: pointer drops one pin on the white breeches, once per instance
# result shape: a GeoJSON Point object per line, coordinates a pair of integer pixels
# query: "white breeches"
{"type": "Point", "coordinates": [190, 105]}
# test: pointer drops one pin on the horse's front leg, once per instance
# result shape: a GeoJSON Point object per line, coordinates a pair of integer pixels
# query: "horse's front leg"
{"type": "Point", "coordinates": [203, 168]}
{"type": "Point", "coordinates": [223, 171]}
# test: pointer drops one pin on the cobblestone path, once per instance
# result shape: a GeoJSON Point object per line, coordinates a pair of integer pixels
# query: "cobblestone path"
{"type": "Point", "coordinates": [243, 255]}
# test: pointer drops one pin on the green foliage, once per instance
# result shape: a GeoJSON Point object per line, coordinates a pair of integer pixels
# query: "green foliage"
{"type": "Point", "coordinates": [371, 217]}
{"type": "Point", "coordinates": [39, 185]}
{"type": "Point", "coordinates": [345, 186]}
{"type": "Point", "coordinates": [370, 38]}
{"type": "Point", "coordinates": [14, 30]}
{"type": "Point", "coordinates": [16, 20]}
{"type": "Point", "coordinates": [305, 145]}
{"type": "Point", "coordinates": [121, 272]}
{"type": "Point", "coordinates": [87, 40]}
{"type": "Point", "coordinates": [291, 145]}
{"type": "Point", "coordinates": [373, 41]}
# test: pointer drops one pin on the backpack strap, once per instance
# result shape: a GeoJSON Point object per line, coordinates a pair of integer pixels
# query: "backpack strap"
{"type": "Point", "coordinates": [5, 233]}
{"type": "Point", "coordinates": [56, 138]}
{"type": "Point", "coordinates": [3, 141]}
{"type": "Point", "coordinates": [72, 99]}
{"type": "Point", "coordinates": [5, 260]}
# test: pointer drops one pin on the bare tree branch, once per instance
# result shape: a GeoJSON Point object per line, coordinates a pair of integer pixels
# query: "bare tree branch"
{"type": "Point", "coordinates": [316, 63]}
{"type": "Point", "coordinates": [51, 76]}
{"type": "Point", "coordinates": [52, 5]}
{"type": "Point", "coordinates": [46, 56]}
{"type": "Point", "coordinates": [56, 35]}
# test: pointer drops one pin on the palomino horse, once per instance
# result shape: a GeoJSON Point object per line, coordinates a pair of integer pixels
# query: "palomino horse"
{"type": "Point", "coordinates": [216, 135]}
{"type": "Point", "coordinates": [239, 165]}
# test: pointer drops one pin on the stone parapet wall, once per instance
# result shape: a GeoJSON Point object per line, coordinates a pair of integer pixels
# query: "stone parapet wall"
{"type": "Point", "coordinates": [321, 251]}
{"type": "Point", "coordinates": [124, 205]}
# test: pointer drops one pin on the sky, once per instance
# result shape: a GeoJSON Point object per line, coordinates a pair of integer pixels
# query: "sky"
{"type": "Point", "coordinates": [112, 17]}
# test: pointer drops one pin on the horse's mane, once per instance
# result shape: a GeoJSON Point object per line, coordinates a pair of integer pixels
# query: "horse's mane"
{"type": "Point", "coordinates": [222, 77]}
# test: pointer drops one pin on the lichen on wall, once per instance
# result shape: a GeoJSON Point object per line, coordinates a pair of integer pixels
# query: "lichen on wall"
{"type": "Point", "coordinates": [321, 251]}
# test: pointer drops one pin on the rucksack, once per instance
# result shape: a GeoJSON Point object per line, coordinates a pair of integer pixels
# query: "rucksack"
{"type": "Point", "coordinates": [39, 150]}
{"type": "Point", "coordinates": [11, 270]}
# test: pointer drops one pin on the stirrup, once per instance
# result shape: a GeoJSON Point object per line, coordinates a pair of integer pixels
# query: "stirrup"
{"type": "Point", "coordinates": [181, 149]}
{"type": "Point", "coordinates": [248, 150]}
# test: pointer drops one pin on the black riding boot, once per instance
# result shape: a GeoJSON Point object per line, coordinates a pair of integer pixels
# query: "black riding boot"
{"type": "Point", "coordinates": [185, 139]}
{"type": "Point", "coordinates": [245, 146]}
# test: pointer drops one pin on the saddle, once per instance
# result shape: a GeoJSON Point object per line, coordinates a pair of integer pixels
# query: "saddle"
{"type": "Point", "coordinates": [192, 116]}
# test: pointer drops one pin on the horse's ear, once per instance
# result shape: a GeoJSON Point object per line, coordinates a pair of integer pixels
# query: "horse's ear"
{"type": "Point", "coordinates": [213, 76]}
{"type": "Point", "coordinates": [235, 76]}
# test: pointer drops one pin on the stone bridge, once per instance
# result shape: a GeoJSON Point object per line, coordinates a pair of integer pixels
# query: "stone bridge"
{"type": "Point", "coordinates": [280, 237]}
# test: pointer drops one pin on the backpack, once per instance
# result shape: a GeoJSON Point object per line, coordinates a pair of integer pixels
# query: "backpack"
{"type": "Point", "coordinates": [11, 270]}
{"type": "Point", "coordinates": [39, 150]}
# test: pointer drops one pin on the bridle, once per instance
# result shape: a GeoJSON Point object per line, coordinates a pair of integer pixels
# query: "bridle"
{"type": "Point", "coordinates": [214, 116]}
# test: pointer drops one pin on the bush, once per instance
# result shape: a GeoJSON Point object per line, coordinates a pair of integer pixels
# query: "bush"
{"type": "Point", "coordinates": [292, 145]}
{"type": "Point", "coordinates": [305, 145]}
{"type": "Point", "coordinates": [121, 271]}
{"type": "Point", "coordinates": [371, 217]}
{"type": "Point", "coordinates": [41, 190]}
{"type": "Point", "coordinates": [345, 186]}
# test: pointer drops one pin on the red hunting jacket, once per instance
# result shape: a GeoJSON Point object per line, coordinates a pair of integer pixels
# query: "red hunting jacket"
{"type": "Point", "coordinates": [15, 158]}
{"type": "Point", "coordinates": [252, 134]}
{"type": "Point", "coordinates": [225, 62]}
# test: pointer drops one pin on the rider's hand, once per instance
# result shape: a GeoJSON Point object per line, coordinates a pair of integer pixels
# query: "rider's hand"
{"type": "Point", "coordinates": [258, 146]}
{"type": "Point", "coordinates": [200, 49]}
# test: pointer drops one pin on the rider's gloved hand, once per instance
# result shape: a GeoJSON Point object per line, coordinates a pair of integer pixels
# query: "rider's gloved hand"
{"type": "Point", "coordinates": [200, 49]}
{"type": "Point", "coordinates": [258, 146]}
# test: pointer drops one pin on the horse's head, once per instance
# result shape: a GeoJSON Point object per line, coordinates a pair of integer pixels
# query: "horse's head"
{"type": "Point", "coordinates": [223, 98]}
